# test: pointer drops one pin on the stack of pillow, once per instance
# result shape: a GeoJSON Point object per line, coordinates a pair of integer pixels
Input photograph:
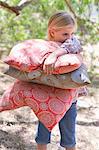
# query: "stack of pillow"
{"type": "Point", "coordinates": [25, 62]}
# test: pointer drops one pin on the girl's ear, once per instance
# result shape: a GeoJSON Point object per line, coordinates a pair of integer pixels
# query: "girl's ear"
{"type": "Point", "coordinates": [52, 32]}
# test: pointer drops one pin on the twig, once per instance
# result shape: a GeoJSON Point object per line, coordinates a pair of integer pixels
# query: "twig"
{"type": "Point", "coordinates": [70, 8]}
{"type": "Point", "coordinates": [15, 9]}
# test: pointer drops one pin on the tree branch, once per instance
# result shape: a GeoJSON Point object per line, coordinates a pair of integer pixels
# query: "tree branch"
{"type": "Point", "coordinates": [24, 3]}
{"type": "Point", "coordinates": [70, 8]}
{"type": "Point", "coordinates": [77, 17]}
{"type": "Point", "coordinates": [16, 9]}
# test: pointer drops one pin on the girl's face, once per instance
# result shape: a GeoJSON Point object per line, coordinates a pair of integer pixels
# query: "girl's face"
{"type": "Point", "coordinates": [60, 34]}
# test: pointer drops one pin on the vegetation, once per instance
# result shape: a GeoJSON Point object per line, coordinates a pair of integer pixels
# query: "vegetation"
{"type": "Point", "coordinates": [25, 19]}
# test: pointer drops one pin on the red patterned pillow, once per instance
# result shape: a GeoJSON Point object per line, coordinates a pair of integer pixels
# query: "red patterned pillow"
{"type": "Point", "coordinates": [30, 55]}
{"type": "Point", "coordinates": [49, 104]}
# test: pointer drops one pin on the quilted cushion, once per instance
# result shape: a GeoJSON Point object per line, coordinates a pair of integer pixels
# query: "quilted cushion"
{"type": "Point", "coordinates": [30, 55]}
{"type": "Point", "coordinates": [49, 104]}
{"type": "Point", "coordinates": [74, 79]}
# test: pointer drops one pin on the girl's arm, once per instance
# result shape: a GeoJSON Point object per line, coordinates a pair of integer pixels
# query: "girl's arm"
{"type": "Point", "coordinates": [51, 59]}
{"type": "Point", "coordinates": [59, 52]}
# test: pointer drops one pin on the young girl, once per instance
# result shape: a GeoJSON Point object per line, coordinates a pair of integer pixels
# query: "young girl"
{"type": "Point", "coordinates": [61, 27]}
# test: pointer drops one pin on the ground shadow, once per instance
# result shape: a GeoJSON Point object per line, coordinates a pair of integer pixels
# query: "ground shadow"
{"type": "Point", "coordinates": [92, 123]}
{"type": "Point", "coordinates": [14, 141]}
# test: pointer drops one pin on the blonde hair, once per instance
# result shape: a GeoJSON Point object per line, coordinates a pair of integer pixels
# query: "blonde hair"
{"type": "Point", "coordinates": [59, 20]}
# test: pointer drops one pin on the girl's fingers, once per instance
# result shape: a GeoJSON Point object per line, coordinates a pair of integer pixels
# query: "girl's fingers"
{"type": "Point", "coordinates": [49, 69]}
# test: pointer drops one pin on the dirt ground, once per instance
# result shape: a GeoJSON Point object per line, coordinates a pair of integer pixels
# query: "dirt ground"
{"type": "Point", "coordinates": [18, 127]}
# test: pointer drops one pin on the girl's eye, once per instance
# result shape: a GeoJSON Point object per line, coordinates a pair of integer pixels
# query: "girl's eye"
{"type": "Point", "coordinates": [65, 34]}
{"type": "Point", "coordinates": [73, 33]}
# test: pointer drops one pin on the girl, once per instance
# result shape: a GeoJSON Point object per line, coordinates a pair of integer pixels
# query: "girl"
{"type": "Point", "coordinates": [61, 27]}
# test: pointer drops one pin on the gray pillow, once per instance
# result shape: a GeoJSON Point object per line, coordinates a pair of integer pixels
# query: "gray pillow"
{"type": "Point", "coordinates": [74, 79]}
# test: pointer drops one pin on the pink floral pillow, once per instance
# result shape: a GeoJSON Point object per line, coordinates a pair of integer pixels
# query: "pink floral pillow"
{"type": "Point", "coordinates": [49, 104]}
{"type": "Point", "coordinates": [30, 55]}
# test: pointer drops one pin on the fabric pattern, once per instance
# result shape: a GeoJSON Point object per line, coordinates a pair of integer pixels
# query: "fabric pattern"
{"type": "Point", "coordinates": [49, 104]}
{"type": "Point", "coordinates": [72, 46]}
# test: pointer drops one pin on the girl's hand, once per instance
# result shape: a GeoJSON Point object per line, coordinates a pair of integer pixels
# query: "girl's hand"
{"type": "Point", "coordinates": [49, 64]}
{"type": "Point", "coordinates": [83, 91]}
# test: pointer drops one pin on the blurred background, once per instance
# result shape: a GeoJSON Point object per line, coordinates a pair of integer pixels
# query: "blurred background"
{"type": "Point", "coordinates": [27, 19]}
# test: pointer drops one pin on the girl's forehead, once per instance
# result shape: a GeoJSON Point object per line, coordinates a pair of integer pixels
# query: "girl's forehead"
{"type": "Point", "coordinates": [66, 28]}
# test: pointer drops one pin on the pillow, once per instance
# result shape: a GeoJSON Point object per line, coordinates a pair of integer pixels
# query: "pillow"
{"type": "Point", "coordinates": [49, 104]}
{"type": "Point", "coordinates": [30, 55]}
{"type": "Point", "coordinates": [74, 79]}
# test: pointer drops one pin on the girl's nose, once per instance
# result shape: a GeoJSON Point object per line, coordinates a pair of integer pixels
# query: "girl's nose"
{"type": "Point", "coordinates": [69, 36]}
